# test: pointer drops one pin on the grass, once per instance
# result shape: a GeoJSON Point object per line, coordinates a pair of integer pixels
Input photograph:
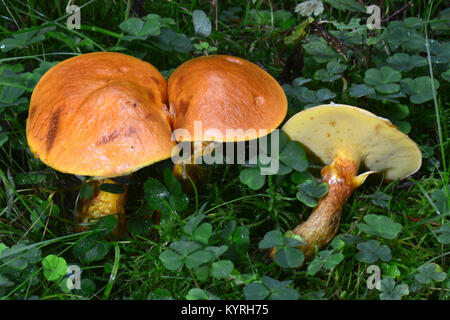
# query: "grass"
{"type": "Point", "coordinates": [132, 268]}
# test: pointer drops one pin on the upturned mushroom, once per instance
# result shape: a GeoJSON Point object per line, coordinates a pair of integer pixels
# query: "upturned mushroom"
{"type": "Point", "coordinates": [345, 139]}
{"type": "Point", "coordinates": [232, 100]}
{"type": "Point", "coordinates": [100, 115]}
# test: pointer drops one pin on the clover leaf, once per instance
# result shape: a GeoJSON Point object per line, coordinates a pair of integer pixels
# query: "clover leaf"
{"type": "Point", "coordinates": [170, 41]}
{"type": "Point", "coordinates": [319, 50]}
{"type": "Point", "coordinates": [371, 251]}
{"type": "Point", "coordinates": [252, 178]}
{"type": "Point", "coordinates": [287, 255]}
{"type": "Point", "coordinates": [430, 272]}
{"type": "Point", "coordinates": [294, 156]}
{"type": "Point", "coordinates": [90, 249]}
{"type": "Point", "coordinates": [446, 75]}
{"type": "Point", "coordinates": [381, 199]}
{"type": "Point", "coordinates": [439, 51]}
{"type": "Point", "coordinates": [141, 29]}
{"type": "Point", "coordinates": [24, 38]}
{"type": "Point", "coordinates": [305, 96]}
{"type": "Point", "coordinates": [441, 200]}
{"type": "Point", "coordinates": [327, 259]}
{"type": "Point", "coordinates": [19, 256]}
{"type": "Point", "coordinates": [379, 225]}
{"type": "Point", "coordinates": [403, 62]}
{"type": "Point", "coordinates": [54, 267]}
{"type": "Point", "coordinates": [310, 190]}
{"type": "Point", "coordinates": [271, 289]}
{"type": "Point", "coordinates": [164, 196]}
{"type": "Point", "coordinates": [390, 291]}
{"type": "Point", "coordinates": [398, 33]}
{"type": "Point", "coordinates": [419, 89]}
{"type": "Point", "coordinates": [221, 269]}
{"type": "Point", "coordinates": [187, 253]}
{"type": "Point", "coordinates": [444, 231]}
{"type": "Point", "coordinates": [199, 294]}
{"type": "Point", "coordinates": [331, 73]}
{"type": "Point", "coordinates": [361, 90]}
{"type": "Point", "coordinates": [383, 79]}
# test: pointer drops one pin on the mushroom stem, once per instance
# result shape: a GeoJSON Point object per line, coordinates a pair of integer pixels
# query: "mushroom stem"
{"type": "Point", "coordinates": [188, 169]}
{"type": "Point", "coordinates": [323, 223]}
{"type": "Point", "coordinates": [102, 204]}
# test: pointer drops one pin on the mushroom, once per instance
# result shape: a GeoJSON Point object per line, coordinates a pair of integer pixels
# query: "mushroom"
{"type": "Point", "coordinates": [100, 115]}
{"type": "Point", "coordinates": [107, 115]}
{"type": "Point", "coordinates": [234, 99]}
{"type": "Point", "coordinates": [346, 138]}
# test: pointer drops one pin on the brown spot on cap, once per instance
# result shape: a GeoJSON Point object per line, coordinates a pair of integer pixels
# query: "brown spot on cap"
{"type": "Point", "coordinates": [53, 129]}
{"type": "Point", "coordinates": [108, 137]}
{"type": "Point", "coordinates": [131, 130]}
{"type": "Point", "coordinates": [156, 81]}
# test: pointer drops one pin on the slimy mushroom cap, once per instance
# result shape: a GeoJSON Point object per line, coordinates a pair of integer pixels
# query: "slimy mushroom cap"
{"type": "Point", "coordinates": [224, 92]}
{"type": "Point", "coordinates": [100, 114]}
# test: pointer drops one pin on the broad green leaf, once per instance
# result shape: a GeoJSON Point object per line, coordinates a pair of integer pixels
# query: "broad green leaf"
{"type": "Point", "coordinates": [310, 190]}
{"type": "Point", "coordinates": [86, 191]}
{"type": "Point", "coordinates": [252, 178]}
{"type": "Point", "coordinates": [403, 62]}
{"type": "Point", "coordinates": [371, 251]}
{"type": "Point", "coordinates": [381, 226]}
{"type": "Point", "coordinates": [202, 24]}
{"type": "Point", "coordinates": [361, 90]}
{"type": "Point", "coordinates": [444, 232]}
{"type": "Point", "coordinates": [192, 223]}
{"type": "Point", "coordinates": [54, 267]}
{"type": "Point", "coordinates": [29, 178]}
{"type": "Point", "coordinates": [390, 291]}
{"type": "Point", "coordinates": [289, 257]}
{"type": "Point", "coordinates": [155, 193]}
{"type": "Point", "coordinates": [172, 184]}
{"type": "Point", "coordinates": [271, 239]}
{"type": "Point", "coordinates": [384, 75]}
{"type": "Point", "coordinates": [319, 50]}
{"type": "Point", "coordinates": [429, 273]}
{"type": "Point", "coordinates": [184, 247]}
{"type": "Point", "coordinates": [347, 5]}
{"type": "Point", "coordinates": [255, 291]}
{"type": "Point", "coordinates": [198, 258]}
{"type": "Point", "coordinates": [171, 41]}
{"type": "Point", "coordinates": [419, 89]}
{"type": "Point", "coordinates": [446, 75]}
{"type": "Point", "coordinates": [171, 260]}
{"type": "Point", "coordinates": [221, 269]}
{"type": "Point", "coordinates": [199, 294]}
{"type": "Point", "coordinates": [90, 249]}
{"type": "Point", "coordinates": [241, 236]}
{"type": "Point", "coordinates": [217, 251]}
{"type": "Point", "coordinates": [294, 156]}
{"type": "Point", "coordinates": [202, 233]}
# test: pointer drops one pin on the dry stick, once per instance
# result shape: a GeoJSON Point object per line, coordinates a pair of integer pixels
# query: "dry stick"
{"type": "Point", "coordinates": [405, 7]}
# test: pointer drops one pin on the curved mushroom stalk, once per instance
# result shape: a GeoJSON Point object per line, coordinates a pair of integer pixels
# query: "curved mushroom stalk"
{"type": "Point", "coordinates": [342, 136]}
{"type": "Point", "coordinates": [323, 223]}
{"type": "Point", "coordinates": [102, 204]}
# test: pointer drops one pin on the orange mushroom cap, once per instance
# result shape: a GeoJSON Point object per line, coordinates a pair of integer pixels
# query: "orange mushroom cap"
{"type": "Point", "coordinates": [100, 114]}
{"type": "Point", "coordinates": [224, 92]}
